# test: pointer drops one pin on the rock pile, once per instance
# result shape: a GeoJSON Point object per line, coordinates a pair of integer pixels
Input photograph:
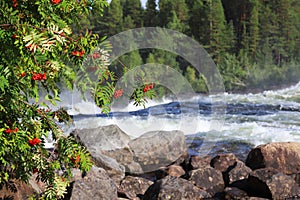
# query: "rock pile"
{"type": "Point", "coordinates": [156, 166]}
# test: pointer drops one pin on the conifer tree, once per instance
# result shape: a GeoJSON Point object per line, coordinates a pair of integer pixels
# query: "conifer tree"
{"type": "Point", "coordinates": [150, 13]}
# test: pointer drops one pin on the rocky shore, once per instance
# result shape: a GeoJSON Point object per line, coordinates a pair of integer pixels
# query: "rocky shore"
{"type": "Point", "coordinates": [157, 166]}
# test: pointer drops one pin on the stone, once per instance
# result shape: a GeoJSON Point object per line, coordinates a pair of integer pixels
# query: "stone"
{"type": "Point", "coordinates": [15, 189]}
{"type": "Point", "coordinates": [239, 172]}
{"type": "Point", "coordinates": [208, 179]}
{"type": "Point", "coordinates": [175, 170]}
{"type": "Point", "coordinates": [102, 138]}
{"type": "Point", "coordinates": [283, 186]}
{"type": "Point", "coordinates": [234, 193]}
{"type": "Point", "coordinates": [197, 162]}
{"type": "Point", "coordinates": [284, 156]}
{"type": "Point", "coordinates": [131, 186]}
{"type": "Point", "coordinates": [176, 189]}
{"type": "Point", "coordinates": [112, 167]}
{"type": "Point", "coordinates": [224, 162]}
{"type": "Point", "coordinates": [95, 185]}
{"type": "Point", "coordinates": [157, 149]}
{"type": "Point", "coordinates": [272, 184]}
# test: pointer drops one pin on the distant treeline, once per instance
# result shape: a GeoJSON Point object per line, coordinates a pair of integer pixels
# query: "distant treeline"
{"type": "Point", "coordinates": [255, 43]}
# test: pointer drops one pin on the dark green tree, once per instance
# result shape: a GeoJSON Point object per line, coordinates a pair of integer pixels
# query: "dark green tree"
{"type": "Point", "coordinates": [150, 13]}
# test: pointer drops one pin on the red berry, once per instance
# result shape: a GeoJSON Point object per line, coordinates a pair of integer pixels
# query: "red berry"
{"type": "Point", "coordinates": [55, 1]}
{"type": "Point", "coordinates": [118, 93]}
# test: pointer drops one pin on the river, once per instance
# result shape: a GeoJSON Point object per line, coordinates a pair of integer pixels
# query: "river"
{"type": "Point", "coordinates": [245, 120]}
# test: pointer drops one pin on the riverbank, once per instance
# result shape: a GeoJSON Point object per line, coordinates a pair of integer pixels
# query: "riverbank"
{"type": "Point", "coordinates": [158, 165]}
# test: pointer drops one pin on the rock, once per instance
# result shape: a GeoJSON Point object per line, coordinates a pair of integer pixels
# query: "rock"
{"type": "Point", "coordinates": [156, 149]}
{"type": "Point", "coordinates": [109, 149]}
{"type": "Point", "coordinates": [16, 190]}
{"type": "Point", "coordinates": [95, 185]}
{"type": "Point", "coordinates": [269, 183]}
{"type": "Point", "coordinates": [284, 156]}
{"type": "Point", "coordinates": [234, 193]}
{"type": "Point", "coordinates": [175, 170]}
{"type": "Point", "coordinates": [174, 188]}
{"type": "Point", "coordinates": [283, 186]}
{"type": "Point", "coordinates": [224, 162]}
{"type": "Point", "coordinates": [208, 179]}
{"type": "Point", "coordinates": [112, 167]}
{"type": "Point", "coordinates": [197, 162]}
{"type": "Point", "coordinates": [102, 138]}
{"type": "Point", "coordinates": [239, 172]}
{"type": "Point", "coordinates": [131, 186]}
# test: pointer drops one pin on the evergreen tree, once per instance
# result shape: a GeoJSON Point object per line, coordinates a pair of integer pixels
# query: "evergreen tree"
{"type": "Point", "coordinates": [254, 28]}
{"type": "Point", "coordinates": [150, 13]}
{"type": "Point", "coordinates": [133, 8]}
{"type": "Point", "coordinates": [114, 18]}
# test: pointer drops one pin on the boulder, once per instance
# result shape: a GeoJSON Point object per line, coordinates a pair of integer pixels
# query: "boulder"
{"type": "Point", "coordinates": [102, 138]}
{"type": "Point", "coordinates": [284, 156]}
{"type": "Point", "coordinates": [156, 149]}
{"type": "Point", "coordinates": [197, 162]}
{"type": "Point", "coordinates": [16, 190]}
{"type": "Point", "coordinates": [175, 170]}
{"type": "Point", "coordinates": [208, 179]}
{"type": "Point", "coordinates": [272, 184]}
{"type": "Point", "coordinates": [131, 186]}
{"type": "Point", "coordinates": [224, 162]}
{"type": "Point", "coordinates": [95, 185]}
{"type": "Point", "coordinates": [234, 193]}
{"type": "Point", "coordinates": [238, 173]}
{"type": "Point", "coordinates": [176, 189]}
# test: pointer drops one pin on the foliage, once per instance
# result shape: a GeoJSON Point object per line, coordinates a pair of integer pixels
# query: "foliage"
{"type": "Point", "coordinates": [41, 52]}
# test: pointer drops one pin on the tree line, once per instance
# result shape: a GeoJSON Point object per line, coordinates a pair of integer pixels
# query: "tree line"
{"type": "Point", "coordinates": [255, 43]}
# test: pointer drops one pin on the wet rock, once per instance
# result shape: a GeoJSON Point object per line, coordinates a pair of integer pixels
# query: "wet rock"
{"type": "Point", "coordinates": [208, 179]}
{"type": "Point", "coordinates": [175, 170]}
{"type": "Point", "coordinates": [284, 156]}
{"type": "Point", "coordinates": [95, 185]}
{"type": "Point", "coordinates": [174, 188]}
{"type": "Point", "coordinates": [16, 190]}
{"type": "Point", "coordinates": [234, 193]}
{"type": "Point", "coordinates": [239, 172]}
{"type": "Point", "coordinates": [197, 162]}
{"type": "Point", "coordinates": [156, 149]}
{"type": "Point", "coordinates": [224, 162]}
{"type": "Point", "coordinates": [131, 186]}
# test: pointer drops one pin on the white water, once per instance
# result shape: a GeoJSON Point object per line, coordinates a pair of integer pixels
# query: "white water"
{"type": "Point", "coordinates": [255, 129]}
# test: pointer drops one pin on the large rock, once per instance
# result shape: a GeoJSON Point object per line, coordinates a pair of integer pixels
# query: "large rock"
{"type": "Point", "coordinates": [238, 173]}
{"type": "Point", "coordinates": [234, 193]}
{"type": "Point", "coordinates": [284, 156]}
{"type": "Point", "coordinates": [95, 185]}
{"type": "Point", "coordinates": [102, 138]}
{"type": "Point", "coordinates": [271, 184]}
{"type": "Point", "coordinates": [176, 189]}
{"type": "Point", "coordinates": [224, 162]}
{"type": "Point", "coordinates": [197, 162]}
{"type": "Point", "coordinates": [109, 149]}
{"type": "Point", "coordinates": [209, 179]}
{"type": "Point", "coordinates": [16, 190]}
{"type": "Point", "coordinates": [133, 187]}
{"type": "Point", "coordinates": [156, 149]}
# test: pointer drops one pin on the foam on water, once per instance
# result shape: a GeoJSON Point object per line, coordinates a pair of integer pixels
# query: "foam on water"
{"type": "Point", "coordinates": [255, 129]}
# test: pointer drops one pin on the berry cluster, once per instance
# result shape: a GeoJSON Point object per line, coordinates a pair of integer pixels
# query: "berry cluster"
{"type": "Point", "coordinates": [39, 77]}
{"type": "Point", "coordinates": [11, 131]}
{"type": "Point", "coordinates": [78, 53]}
{"type": "Point", "coordinates": [118, 93]}
{"type": "Point", "coordinates": [34, 141]}
{"type": "Point", "coordinates": [55, 1]}
{"type": "Point", "coordinates": [148, 87]}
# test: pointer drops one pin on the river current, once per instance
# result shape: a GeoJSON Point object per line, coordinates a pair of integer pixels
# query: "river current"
{"type": "Point", "coordinates": [244, 120]}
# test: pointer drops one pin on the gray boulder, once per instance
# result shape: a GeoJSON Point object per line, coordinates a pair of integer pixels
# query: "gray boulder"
{"type": "Point", "coordinates": [156, 149]}
{"type": "Point", "coordinates": [174, 188]}
{"type": "Point", "coordinates": [95, 185]}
